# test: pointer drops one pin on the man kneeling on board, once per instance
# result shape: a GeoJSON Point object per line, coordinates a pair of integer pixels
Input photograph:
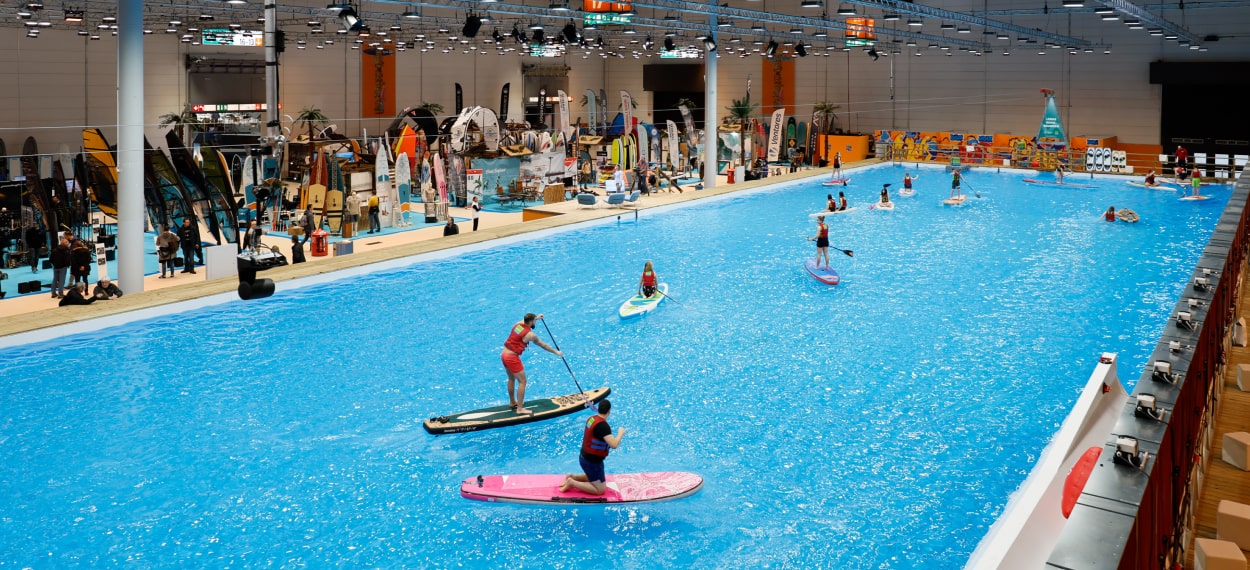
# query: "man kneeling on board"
{"type": "Point", "coordinates": [597, 442]}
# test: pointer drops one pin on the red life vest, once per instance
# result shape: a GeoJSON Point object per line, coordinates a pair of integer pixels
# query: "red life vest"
{"type": "Point", "coordinates": [824, 231]}
{"type": "Point", "coordinates": [1150, 179]}
{"type": "Point", "coordinates": [907, 182]}
{"type": "Point", "coordinates": [590, 445]}
{"type": "Point", "coordinates": [648, 279]}
{"type": "Point", "coordinates": [516, 340]}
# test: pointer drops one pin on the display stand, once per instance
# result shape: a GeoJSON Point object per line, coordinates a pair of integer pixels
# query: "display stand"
{"type": "Point", "coordinates": [220, 261]}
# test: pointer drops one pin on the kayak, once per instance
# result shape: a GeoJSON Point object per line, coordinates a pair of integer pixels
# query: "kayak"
{"type": "Point", "coordinates": [638, 305]}
{"type": "Point", "coordinates": [544, 489]}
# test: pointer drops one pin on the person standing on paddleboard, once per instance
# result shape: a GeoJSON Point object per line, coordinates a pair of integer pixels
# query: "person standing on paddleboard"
{"type": "Point", "coordinates": [648, 282]}
{"type": "Point", "coordinates": [906, 181]}
{"type": "Point", "coordinates": [518, 340]}
{"type": "Point", "coordinates": [597, 442]}
{"type": "Point", "coordinates": [955, 178]}
{"type": "Point", "coordinates": [822, 241]}
{"type": "Point", "coordinates": [885, 194]}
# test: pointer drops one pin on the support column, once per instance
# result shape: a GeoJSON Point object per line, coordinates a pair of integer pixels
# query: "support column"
{"type": "Point", "coordinates": [130, 211]}
{"type": "Point", "coordinates": [272, 124]}
{"type": "Point", "coordinates": [710, 121]}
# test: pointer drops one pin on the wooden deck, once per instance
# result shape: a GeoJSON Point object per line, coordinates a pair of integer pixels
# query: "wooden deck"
{"type": "Point", "coordinates": [1223, 481]}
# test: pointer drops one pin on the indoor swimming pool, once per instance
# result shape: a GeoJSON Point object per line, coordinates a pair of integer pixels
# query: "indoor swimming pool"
{"type": "Point", "coordinates": [880, 423]}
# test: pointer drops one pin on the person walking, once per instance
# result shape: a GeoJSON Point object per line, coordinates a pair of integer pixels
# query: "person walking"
{"type": "Point", "coordinates": [61, 261]}
{"type": "Point", "coordinates": [307, 223]}
{"type": "Point", "coordinates": [375, 207]}
{"type": "Point", "coordinates": [167, 250]}
{"type": "Point", "coordinates": [189, 238]}
{"type": "Point", "coordinates": [597, 443]}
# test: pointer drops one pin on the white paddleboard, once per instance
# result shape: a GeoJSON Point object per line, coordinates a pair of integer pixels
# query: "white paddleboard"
{"type": "Point", "coordinates": [828, 213]}
{"type": "Point", "coordinates": [957, 200]}
{"type": "Point", "coordinates": [886, 206]}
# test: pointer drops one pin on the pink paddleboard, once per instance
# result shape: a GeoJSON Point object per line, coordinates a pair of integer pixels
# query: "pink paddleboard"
{"type": "Point", "coordinates": [836, 182]}
{"type": "Point", "coordinates": [545, 489]}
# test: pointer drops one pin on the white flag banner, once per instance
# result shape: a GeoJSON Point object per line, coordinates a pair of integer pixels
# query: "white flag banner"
{"type": "Point", "coordinates": [565, 127]}
{"type": "Point", "coordinates": [673, 146]}
{"type": "Point", "coordinates": [774, 135]}
{"type": "Point", "coordinates": [627, 108]}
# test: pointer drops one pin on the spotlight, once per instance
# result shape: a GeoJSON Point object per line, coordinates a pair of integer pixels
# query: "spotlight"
{"type": "Point", "coordinates": [351, 19]}
{"type": "Point", "coordinates": [1148, 408]}
{"type": "Point", "coordinates": [800, 49]}
{"type": "Point", "coordinates": [872, 52]}
{"type": "Point", "coordinates": [1126, 453]}
{"type": "Point", "coordinates": [771, 50]}
{"type": "Point", "coordinates": [1184, 320]}
{"type": "Point", "coordinates": [1201, 284]}
{"type": "Point", "coordinates": [668, 44]}
{"type": "Point", "coordinates": [709, 44]}
{"type": "Point", "coordinates": [1163, 372]}
{"type": "Point", "coordinates": [472, 24]}
{"type": "Point", "coordinates": [73, 15]}
{"type": "Point", "coordinates": [570, 32]}
{"type": "Point", "coordinates": [498, 37]}
{"type": "Point", "coordinates": [537, 36]}
{"type": "Point", "coordinates": [411, 13]}
{"type": "Point", "coordinates": [648, 44]}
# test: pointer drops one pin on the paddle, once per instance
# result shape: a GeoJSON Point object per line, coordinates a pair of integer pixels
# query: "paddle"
{"type": "Point", "coordinates": [683, 305]}
{"type": "Point", "coordinates": [566, 361]}
{"type": "Point", "coordinates": [974, 190]}
{"type": "Point", "coordinates": [848, 252]}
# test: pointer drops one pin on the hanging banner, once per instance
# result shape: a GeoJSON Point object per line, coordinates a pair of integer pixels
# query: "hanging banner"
{"type": "Point", "coordinates": [593, 110]}
{"type": "Point", "coordinates": [459, 99]}
{"type": "Point", "coordinates": [603, 111]}
{"type": "Point", "coordinates": [775, 131]}
{"type": "Point", "coordinates": [627, 109]}
{"type": "Point", "coordinates": [377, 83]}
{"type": "Point", "coordinates": [542, 106]}
{"type": "Point", "coordinates": [1051, 131]}
{"type": "Point", "coordinates": [503, 103]}
{"type": "Point", "coordinates": [473, 179]}
{"type": "Point", "coordinates": [565, 127]}
{"type": "Point", "coordinates": [673, 156]}
{"type": "Point", "coordinates": [690, 134]}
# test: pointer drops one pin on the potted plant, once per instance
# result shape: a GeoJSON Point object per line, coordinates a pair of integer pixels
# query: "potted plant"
{"type": "Point", "coordinates": [312, 118]}
{"type": "Point", "coordinates": [184, 123]}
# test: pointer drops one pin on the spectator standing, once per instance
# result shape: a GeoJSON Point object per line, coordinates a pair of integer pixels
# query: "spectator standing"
{"type": "Point", "coordinates": [476, 207]}
{"type": "Point", "coordinates": [189, 238]}
{"type": "Point", "coordinates": [167, 250]}
{"type": "Point", "coordinates": [80, 262]}
{"type": "Point", "coordinates": [61, 262]}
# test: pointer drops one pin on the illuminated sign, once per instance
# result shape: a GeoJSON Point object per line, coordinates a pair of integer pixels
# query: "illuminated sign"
{"type": "Point", "coordinates": [682, 53]}
{"type": "Point", "coordinates": [544, 50]}
{"type": "Point", "coordinates": [226, 37]}
{"type": "Point", "coordinates": [607, 19]}
{"type": "Point", "coordinates": [224, 108]}
{"type": "Point", "coordinates": [860, 32]}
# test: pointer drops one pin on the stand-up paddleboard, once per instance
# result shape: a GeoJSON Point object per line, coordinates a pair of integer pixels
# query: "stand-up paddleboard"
{"type": "Point", "coordinates": [504, 416]}
{"type": "Point", "coordinates": [957, 200]}
{"type": "Point", "coordinates": [638, 305]}
{"type": "Point", "coordinates": [836, 182]}
{"type": "Point", "coordinates": [1188, 183]}
{"type": "Point", "coordinates": [382, 183]}
{"type": "Point", "coordinates": [334, 197]}
{"type": "Point", "coordinates": [907, 192]}
{"type": "Point", "coordinates": [440, 177]}
{"type": "Point", "coordinates": [545, 489]}
{"type": "Point", "coordinates": [824, 274]}
{"type": "Point", "coordinates": [828, 213]}
{"type": "Point", "coordinates": [1159, 186]}
{"type": "Point", "coordinates": [317, 189]}
{"type": "Point", "coordinates": [1192, 198]}
{"type": "Point", "coordinates": [1057, 183]}
{"type": "Point", "coordinates": [1127, 215]}
{"type": "Point", "coordinates": [883, 206]}
{"type": "Point", "coordinates": [403, 183]}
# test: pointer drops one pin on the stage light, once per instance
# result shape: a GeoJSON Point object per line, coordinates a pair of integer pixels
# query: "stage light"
{"type": "Point", "coordinates": [570, 32]}
{"type": "Point", "coordinates": [538, 36]}
{"type": "Point", "coordinates": [648, 44]}
{"type": "Point", "coordinates": [349, 17]}
{"type": "Point", "coordinates": [771, 50]}
{"type": "Point", "coordinates": [800, 49]}
{"type": "Point", "coordinates": [709, 44]}
{"type": "Point", "coordinates": [668, 44]}
{"type": "Point", "coordinates": [498, 37]}
{"type": "Point", "coordinates": [872, 52]}
{"type": "Point", "coordinates": [411, 13]}
{"type": "Point", "coordinates": [472, 24]}
{"type": "Point", "coordinates": [846, 11]}
{"type": "Point", "coordinates": [73, 15]}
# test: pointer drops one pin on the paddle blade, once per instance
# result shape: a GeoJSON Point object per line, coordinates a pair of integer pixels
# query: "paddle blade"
{"type": "Point", "coordinates": [848, 253]}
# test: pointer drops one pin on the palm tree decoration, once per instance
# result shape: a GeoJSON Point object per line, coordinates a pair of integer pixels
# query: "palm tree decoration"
{"type": "Point", "coordinates": [183, 123]}
{"type": "Point", "coordinates": [433, 108]}
{"type": "Point", "coordinates": [828, 117]}
{"type": "Point", "coordinates": [688, 103]}
{"type": "Point", "coordinates": [311, 117]}
{"type": "Point", "coordinates": [741, 110]}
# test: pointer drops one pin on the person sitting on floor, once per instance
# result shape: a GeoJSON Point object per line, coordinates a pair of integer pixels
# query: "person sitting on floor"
{"type": "Point", "coordinates": [106, 290]}
{"type": "Point", "coordinates": [451, 228]}
{"type": "Point", "coordinates": [76, 295]}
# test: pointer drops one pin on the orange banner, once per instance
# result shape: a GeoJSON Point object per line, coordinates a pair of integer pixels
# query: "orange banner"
{"type": "Point", "coordinates": [377, 83]}
{"type": "Point", "coordinates": [778, 85]}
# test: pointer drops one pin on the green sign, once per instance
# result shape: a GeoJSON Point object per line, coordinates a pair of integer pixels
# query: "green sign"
{"type": "Point", "coordinates": [607, 19]}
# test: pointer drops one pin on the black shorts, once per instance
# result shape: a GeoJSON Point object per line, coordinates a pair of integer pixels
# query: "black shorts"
{"type": "Point", "coordinates": [648, 290]}
{"type": "Point", "coordinates": [593, 470]}
{"type": "Point", "coordinates": [822, 242]}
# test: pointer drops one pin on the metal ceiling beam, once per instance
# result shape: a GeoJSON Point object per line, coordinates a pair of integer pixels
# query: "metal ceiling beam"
{"type": "Point", "coordinates": [1151, 20]}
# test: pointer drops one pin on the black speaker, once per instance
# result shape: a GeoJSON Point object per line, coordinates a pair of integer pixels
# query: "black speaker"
{"type": "Point", "coordinates": [23, 288]}
{"type": "Point", "coordinates": [471, 25]}
{"type": "Point", "coordinates": [47, 264]}
{"type": "Point", "coordinates": [110, 255]}
{"type": "Point", "coordinates": [258, 289]}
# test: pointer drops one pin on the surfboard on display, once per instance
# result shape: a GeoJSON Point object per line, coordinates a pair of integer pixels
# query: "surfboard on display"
{"type": "Point", "coordinates": [382, 186]}
{"type": "Point", "coordinates": [317, 188]}
{"type": "Point", "coordinates": [248, 182]}
{"type": "Point", "coordinates": [403, 183]}
{"type": "Point", "coordinates": [101, 169]}
{"type": "Point", "coordinates": [440, 177]}
{"type": "Point", "coordinates": [193, 180]}
{"type": "Point", "coordinates": [335, 196]}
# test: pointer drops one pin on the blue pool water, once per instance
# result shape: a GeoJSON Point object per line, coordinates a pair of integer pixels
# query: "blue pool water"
{"type": "Point", "coordinates": [881, 423]}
